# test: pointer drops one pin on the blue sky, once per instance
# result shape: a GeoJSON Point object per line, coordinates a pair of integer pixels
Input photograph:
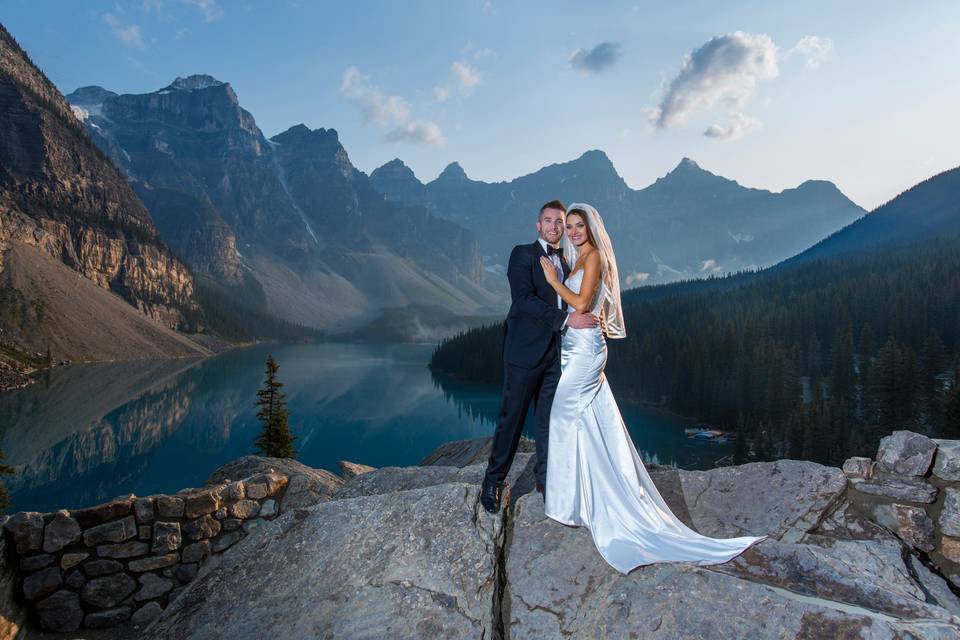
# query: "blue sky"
{"type": "Point", "coordinates": [861, 93]}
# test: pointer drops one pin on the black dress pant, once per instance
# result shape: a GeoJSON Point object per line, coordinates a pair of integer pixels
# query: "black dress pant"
{"type": "Point", "coordinates": [521, 386]}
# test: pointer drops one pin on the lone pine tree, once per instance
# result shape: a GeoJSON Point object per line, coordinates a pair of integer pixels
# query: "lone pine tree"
{"type": "Point", "coordinates": [275, 439]}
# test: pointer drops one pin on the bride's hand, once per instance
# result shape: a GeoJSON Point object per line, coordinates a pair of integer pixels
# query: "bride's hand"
{"type": "Point", "coordinates": [549, 271]}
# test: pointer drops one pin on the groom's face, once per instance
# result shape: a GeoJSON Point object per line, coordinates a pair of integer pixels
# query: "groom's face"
{"type": "Point", "coordinates": [550, 225]}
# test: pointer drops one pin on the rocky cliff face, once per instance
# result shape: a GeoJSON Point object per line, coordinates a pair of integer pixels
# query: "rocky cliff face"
{"type": "Point", "coordinates": [62, 200]}
{"type": "Point", "coordinates": [690, 223]}
{"type": "Point", "coordinates": [195, 230]}
{"type": "Point", "coordinates": [61, 195]}
{"type": "Point", "coordinates": [341, 202]}
{"type": "Point", "coordinates": [327, 249]}
{"type": "Point", "coordinates": [407, 552]}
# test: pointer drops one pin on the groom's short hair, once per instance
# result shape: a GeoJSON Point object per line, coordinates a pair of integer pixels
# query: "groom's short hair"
{"type": "Point", "coordinates": [553, 204]}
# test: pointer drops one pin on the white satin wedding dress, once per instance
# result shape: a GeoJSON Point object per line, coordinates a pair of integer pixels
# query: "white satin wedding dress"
{"type": "Point", "coordinates": [595, 477]}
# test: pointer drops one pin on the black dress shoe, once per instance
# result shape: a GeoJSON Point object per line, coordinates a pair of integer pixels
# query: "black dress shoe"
{"type": "Point", "coordinates": [490, 496]}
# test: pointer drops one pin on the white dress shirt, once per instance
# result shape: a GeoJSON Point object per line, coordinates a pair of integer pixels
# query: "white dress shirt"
{"type": "Point", "coordinates": [555, 259]}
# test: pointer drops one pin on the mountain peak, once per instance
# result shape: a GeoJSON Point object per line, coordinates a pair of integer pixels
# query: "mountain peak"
{"type": "Point", "coordinates": [89, 96]}
{"type": "Point", "coordinates": [395, 165]}
{"type": "Point", "coordinates": [194, 82]}
{"type": "Point", "coordinates": [394, 170]}
{"type": "Point", "coordinates": [301, 133]}
{"type": "Point", "coordinates": [818, 185]}
{"type": "Point", "coordinates": [688, 172]}
{"type": "Point", "coordinates": [596, 163]}
{"type": "Point", "coordinates": [453, 172]}
{"type": "Point", "coordinates": [686, 164]}
{"type": "Point", "coordinates": [397, 181]}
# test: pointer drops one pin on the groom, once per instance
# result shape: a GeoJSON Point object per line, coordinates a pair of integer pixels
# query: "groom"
{"type": "Point", "coordinates": [531, 351]}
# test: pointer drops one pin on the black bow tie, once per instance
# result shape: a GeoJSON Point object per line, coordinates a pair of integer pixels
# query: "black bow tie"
{"type": "Point", "coordinates": [554, 251]}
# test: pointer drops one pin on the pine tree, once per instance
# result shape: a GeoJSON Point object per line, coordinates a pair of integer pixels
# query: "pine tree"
{"type": "Point", "coordinates": [275, 439]}
{"type": "Point", "coordinates": [739, 442]}
{"type": "Point", "coordinates": [864, 353]}
{"type": "Point", "coordinates": [951, 409]}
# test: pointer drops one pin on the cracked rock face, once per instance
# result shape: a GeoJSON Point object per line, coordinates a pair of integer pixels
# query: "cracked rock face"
{"type": "Point", "coordinates": [411, 564]}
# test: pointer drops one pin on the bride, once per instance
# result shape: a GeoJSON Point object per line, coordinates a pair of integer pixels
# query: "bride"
{"type": "Point", "coordinates": [595, 477]}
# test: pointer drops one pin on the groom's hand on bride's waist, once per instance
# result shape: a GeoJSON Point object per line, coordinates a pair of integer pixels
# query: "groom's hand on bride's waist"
{"type": "Point", "coordinates": [579, 320]}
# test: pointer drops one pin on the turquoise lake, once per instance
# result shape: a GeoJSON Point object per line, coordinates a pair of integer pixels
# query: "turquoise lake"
{"type": "Point", "coordinates": [86, 433]}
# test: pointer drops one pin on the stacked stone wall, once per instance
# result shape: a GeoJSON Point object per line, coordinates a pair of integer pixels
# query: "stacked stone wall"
{"type": "Point", "coordinates": [127, 559]}
{"type": "Point", "coordinates": [913, 489]}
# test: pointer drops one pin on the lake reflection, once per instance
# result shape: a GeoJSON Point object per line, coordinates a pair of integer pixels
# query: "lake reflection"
{"type": "Point", "coordinates": [87, 433]}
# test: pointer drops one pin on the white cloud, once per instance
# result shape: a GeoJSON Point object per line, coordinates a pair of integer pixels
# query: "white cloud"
{"type": "Point", "coordinates": [477, 53]}
{"type": "Point", "coordinates": [209, 8]}
{"type": "Point", "coordinates": [741, 237]}
{"type": "Point", "coordinates": [127, 34]}
{"type": "Point", "coordinates": [466, 77]}
{"type": "Point", "coordinates": [463, 78]}
{"type": "Point", "coordinates": [417, 131]}
{"type": "Point", "coordinates": [814, 49]}
{"type": "Point", "coordinates": [725, 69]}
{"type": "Point", "coordinates": [636, 278]}
{"type": "Point", "coordinates": [739, 125]}
{"type": "Point", "coordinates": [392, 112]}
{"type": "Point", "coordinates": [709, 265]}
{"type": "Point", "coordinates": [599, 58]}
{"type": "Point", "coordinates": [376, 107]}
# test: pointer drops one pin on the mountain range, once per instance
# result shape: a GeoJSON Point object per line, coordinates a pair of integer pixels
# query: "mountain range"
{"type": "Point", "coordinates": [689, 223]}
{"type": "Point", "coordinates": [181, 217]}
{"type": "Point", "coordinates": [326, 249]}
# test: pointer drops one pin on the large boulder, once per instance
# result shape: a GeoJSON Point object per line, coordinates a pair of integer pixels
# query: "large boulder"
{"type": "Point", "coordinates": [409, 564]}
{"type": "Point", "coordinates": [783, 499]}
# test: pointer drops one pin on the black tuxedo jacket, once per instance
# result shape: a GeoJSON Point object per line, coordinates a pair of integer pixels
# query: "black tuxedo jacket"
{"type": "Point", "coordinates": [533, 323]}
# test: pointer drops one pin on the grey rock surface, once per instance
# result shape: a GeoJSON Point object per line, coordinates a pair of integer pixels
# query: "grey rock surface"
{"type": "Point", "coordinates": [350, 470]}
{"type": "Point", "coordinates": [905, 453]}
{"type": "Point", "coordinates": [388, 479]}
{"type": "Point", "coordinates": [307, 486]}
{"type": "Point", "coordinates": [464, 453]}
{"type": "Point", "coordinates": [946, 464]}
{"type": "Point", "coordinates": [411, 564]}
{"type": "Point", "coordinates": [912, 524]}
{"type": "Point", "coordinates": [950, 516]}
{"type": "Point", "coordinates": [900, 489]}
{"type": "Point", "coordinates": [108, 591]}
{"type": "Point", "coordinates": [558, 586]}
{"type": "Point", "coordinates": [60, 611]}
{"type": "Point", "coordinates": [782, 499]}
{"type": "Point", "coordinates": [858, 467]}
{"type": "Point", "coordinates": [61, 531]}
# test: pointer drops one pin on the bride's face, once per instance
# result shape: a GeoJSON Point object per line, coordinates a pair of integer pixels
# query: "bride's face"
{"type": "Point", "coordinates": [577, 229]}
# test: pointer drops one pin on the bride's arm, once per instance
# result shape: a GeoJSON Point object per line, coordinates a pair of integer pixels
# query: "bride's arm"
{"type": "Point", "coordinates": [591, 277]}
